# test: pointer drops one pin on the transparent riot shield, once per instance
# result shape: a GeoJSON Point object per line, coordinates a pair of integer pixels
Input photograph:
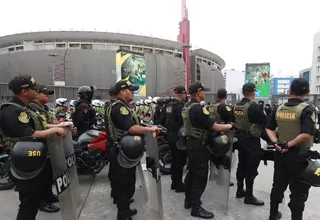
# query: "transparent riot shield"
{"type": "Point", "coordinates": [61, 178]}
{"type": "Point", "coordinates": [154, 178]}
{"type": "Point", "coordinates": [219, 180]}
{"type": "Point", "coordinates": [71, 166]}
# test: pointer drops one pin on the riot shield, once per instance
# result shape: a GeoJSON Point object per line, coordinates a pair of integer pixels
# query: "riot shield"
{"type": "Point", "coordinates": [61, 178]}
{"type": "Point", "coordinates": [154, 178]}
{"type": "Point", "coordinates": [219, 179]}
{"type": "Point", "coordinates": [141, 182]}
{"type": "Point", "coordinates": [71, 166]}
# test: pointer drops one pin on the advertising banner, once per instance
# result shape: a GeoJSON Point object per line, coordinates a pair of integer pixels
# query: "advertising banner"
{"type": "Point", "coordinates": [259, 74]}
{"type": "Point", "coordinates": [132, 66]}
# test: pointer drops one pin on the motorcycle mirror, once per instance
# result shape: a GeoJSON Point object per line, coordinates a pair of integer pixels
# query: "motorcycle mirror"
{"type": "Point", "coordinates": [93, 88]}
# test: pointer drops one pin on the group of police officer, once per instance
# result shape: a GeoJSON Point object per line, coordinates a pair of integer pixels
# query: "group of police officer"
{"type": "Point", "coordinates": [26, 115]}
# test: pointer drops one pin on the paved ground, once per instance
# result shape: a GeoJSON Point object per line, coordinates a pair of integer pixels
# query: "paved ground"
{"type": "Point", "coordinates": [97, 205]}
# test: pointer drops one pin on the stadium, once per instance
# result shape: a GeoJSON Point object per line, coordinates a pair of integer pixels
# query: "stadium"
{"type": "Point", "coordinates": [75, 58]}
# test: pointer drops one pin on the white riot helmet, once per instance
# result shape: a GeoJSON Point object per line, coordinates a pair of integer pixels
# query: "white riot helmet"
{"type": "Point", "coordinates": [72, 103]}
{"type": "Point", "coordinates": [97, 103]}
{"type": "Point", "coordinates": [61, 101]}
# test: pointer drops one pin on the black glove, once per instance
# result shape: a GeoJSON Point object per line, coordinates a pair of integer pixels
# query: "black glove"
{"type": "Point", "coordinates": [234, 126]}
{"type": "Point", "coordinates": [282, 144]}
{"type": "Point", "coordinates": [314, 154]}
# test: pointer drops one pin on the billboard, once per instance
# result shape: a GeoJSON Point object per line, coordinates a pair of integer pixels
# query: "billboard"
{"type": "Point", "coordinates": [132, 66]}
{"type": "Point", "coordinates": [281, 85]}
{"type": "Point", "coordinates": [259, 74]}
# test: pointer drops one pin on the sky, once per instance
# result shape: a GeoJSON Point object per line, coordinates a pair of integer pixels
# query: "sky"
{"type": "Point", "coordinates": [240, 31]}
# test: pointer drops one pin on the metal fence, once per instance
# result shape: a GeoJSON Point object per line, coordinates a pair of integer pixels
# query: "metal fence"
{"type": "Point", "coordinates": [283, 98]}
{"type": "Point", "coordinates": [212, 97]}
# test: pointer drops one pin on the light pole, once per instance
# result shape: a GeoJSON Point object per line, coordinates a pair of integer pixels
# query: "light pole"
{"type": "Point", "coordinates": [53, 55]}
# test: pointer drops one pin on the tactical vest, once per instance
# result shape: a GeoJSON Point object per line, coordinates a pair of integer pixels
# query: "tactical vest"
{"type": "Point", "coordinates": [242, 120]}
{"type": "Point", "coordinates": [107, 109]}
{"type": "Point", "coordinates": [213, 111]}
{"type": "Point", "coordinates": [190, 131]}
{"type": "Point", "coordinates": [48, 116]}
{"type": "Point", "coordinates": [9, 142]}
{"type": "Point", "coordinates": [171, 121]}
{"type": "Point", "coordinates": [289, 123]}
{"type": "Point", "coordinates": [116, 133]}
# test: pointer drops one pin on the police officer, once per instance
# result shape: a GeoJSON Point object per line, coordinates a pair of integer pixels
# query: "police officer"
{"type": "Point", "coordinates": [109, 143]}
{"type": "Point", "coordinates": [121, 119]}
{"type": "Point", "coordinates": [16, 121]}
{"type": "Point", "coordinates": [84, 116]}
{"type": "Point", "coordinates": [221, 112]}
{"type": "Point", "coordinates": [250, 120]}
{"type": "Point", "coordinates": [173, 123]}
{"type": "Point", "coordinates": [197, 124]}
{"type": "Point", "coordinates": [39, 106]}
{"type": "Point", "coordinates": [295, 121]}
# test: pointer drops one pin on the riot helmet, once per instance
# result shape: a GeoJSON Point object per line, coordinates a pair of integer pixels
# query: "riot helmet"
{"type": "Point", "coordinates": [219, 143]}
{"type": "Point", "coordinates": [28, 158]}
{"type": "Point", "coordinates": [86, 92]}
{"type": "Point", "coordinates": [131, 149]}
{"type": "Point", "coordinates": [181, 142]}
{"type": "Point", "coordinates": [61, 101]}
{"type": "Point", "coordinates": [311, 173]}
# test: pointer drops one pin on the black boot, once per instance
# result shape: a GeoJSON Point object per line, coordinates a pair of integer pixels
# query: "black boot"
{"type": "Point", "coordinates": [275, 216]}
{"type": "Point", "coordinates": [200, 212]}
{"type": "Point", "coordinates": [188, 204]}
{"type": "Point", "coordinates": [251, 200]}
{"type": "Point", "coordinates": [48, 207]}
{"type": "Point", "coordinates": [173, 186]}
{"type": "Point", "coordinates": [179, 188]}
{"type": "Point", "coordinates": [53, 199]}
{"type": "Point", "coordinates": [240, 191]}
{"type": "Point", "coordinates": [126, 215]}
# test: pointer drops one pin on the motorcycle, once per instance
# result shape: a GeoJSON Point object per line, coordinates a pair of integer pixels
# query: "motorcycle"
{"type": "Point", "coordinates": [5, 182]}
{"type": "Point", "coordinates": [91, 152]}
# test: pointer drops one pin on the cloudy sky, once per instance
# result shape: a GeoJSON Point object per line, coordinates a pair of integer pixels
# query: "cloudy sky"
{"type": "Point", "coordinates": [240, 31]}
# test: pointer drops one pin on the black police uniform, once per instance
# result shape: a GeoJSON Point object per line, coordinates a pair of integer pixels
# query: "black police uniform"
{"type": "Point", "coordinates": [288, 166]}
{"type": "Point", "coordinates": [30, 191]}
{"type": "Point", "coordinates": [224, 111]}
{"type": "Point", "coordinates": [198, 155]}
{"type": "Point", "coordinates": [84, 116]}
{"type": "Point", "coordinates": [123, 179]}
{"type": "Point", "coordinates": [249, 151]}
{"type": "Point", "coordinates": [173, 123]}
{"type": "Point", "coordinates": [109, 142]}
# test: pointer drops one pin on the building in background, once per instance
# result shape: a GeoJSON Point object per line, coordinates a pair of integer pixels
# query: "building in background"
{"type": "Point", "coordinates": [305, 73]}
{"type": "Point", "coordinates": [76, 58]}
{"type": "Point", "coordinates": [315, 73]}
{"type": "Point", "coordinates": [280, 85]}
{"type": "Point", "coordinates": [234, 81]}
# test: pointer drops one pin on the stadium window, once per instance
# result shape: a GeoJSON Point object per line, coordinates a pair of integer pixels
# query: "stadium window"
{"type": "Point", "coordinates": [198, 73]}
{"type": "Point", "coordinates": [86, 46]}
{"type": "Point", "coordinates": [74, 45]}
{"type": "Point", "coordinates": [318, 50]}
{"type": "Point", "coordinates": [11, 49]}
{"type": "Point", "coordinates": [179, 55]}
{"type": "Point", "coordinates": [19, 48]}
{"type": "Point", "coordinates": [60, 45]}
{"type": "Point", "coordinates": [38, 41]}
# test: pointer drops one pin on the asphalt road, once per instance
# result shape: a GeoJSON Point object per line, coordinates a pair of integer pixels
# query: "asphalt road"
{"type": "Point", "coordinates": [97, 205]}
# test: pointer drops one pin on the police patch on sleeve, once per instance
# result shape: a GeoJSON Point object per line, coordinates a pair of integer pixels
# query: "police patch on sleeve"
{"type": "Point", "coordinates": [313, 117]}
{"type": "Point", "coordinates": [228, 108]}
{"type": "Point", "coordinates": [205, 110]}
{"type": "Point", "coordinates": [124, 111]}
{"type": "Point", "coordinates": [23, 118]}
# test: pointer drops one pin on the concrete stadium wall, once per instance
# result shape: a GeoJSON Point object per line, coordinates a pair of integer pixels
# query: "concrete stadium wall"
{"type": "Point", "coordinates": [90, 67]}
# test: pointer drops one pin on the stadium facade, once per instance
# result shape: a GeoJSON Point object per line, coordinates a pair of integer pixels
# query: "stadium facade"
{"type": "Point", "coordinates": [75, 58]}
